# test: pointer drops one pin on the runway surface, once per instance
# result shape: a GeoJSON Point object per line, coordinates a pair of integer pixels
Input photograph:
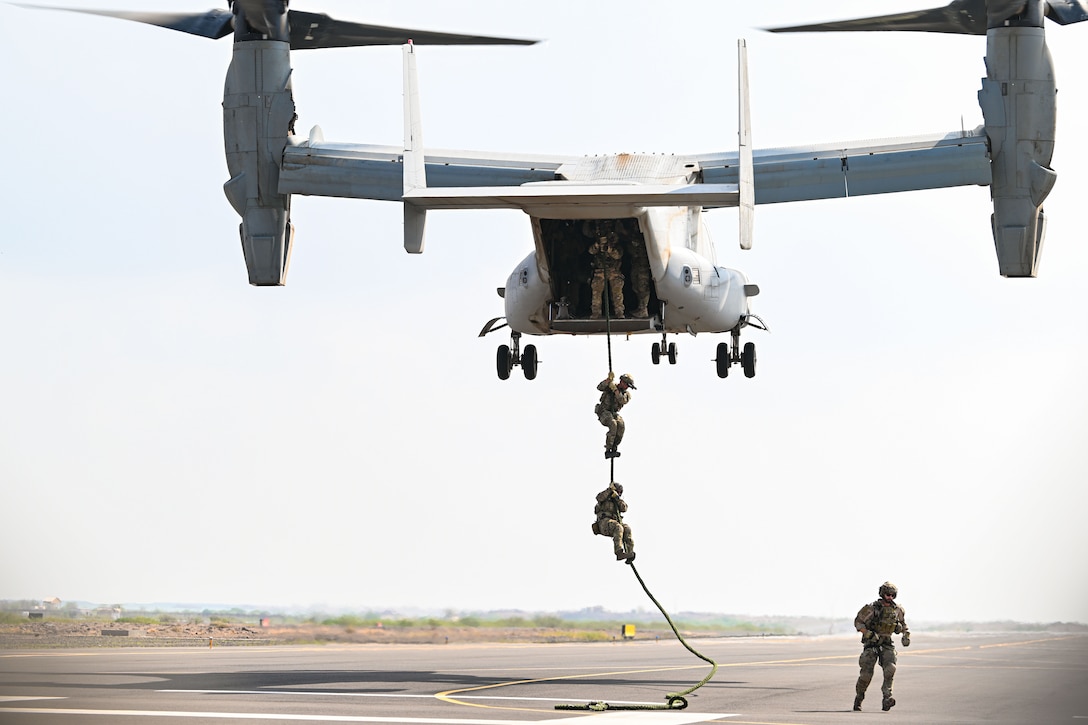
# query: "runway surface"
{"type": "Point", "coordinates": [1007, 678]}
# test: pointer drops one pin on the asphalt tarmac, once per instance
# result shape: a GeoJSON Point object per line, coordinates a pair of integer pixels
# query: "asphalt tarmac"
{"type": "Point", "coordinates": [983, 678]}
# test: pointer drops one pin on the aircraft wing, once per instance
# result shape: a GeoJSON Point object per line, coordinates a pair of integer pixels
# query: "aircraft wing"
{"type": "Point", "coordinates": [858, 168]}
{"type": "Point", "coordinates": [825, 171]}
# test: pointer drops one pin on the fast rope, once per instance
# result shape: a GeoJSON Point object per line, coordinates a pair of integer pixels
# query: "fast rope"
{"type": "Point", "coordinates": [674, 700]}
{"type": "Point", "coordinates": [608, 337]}
{"type": "Point", "coordinates": [608, 326]}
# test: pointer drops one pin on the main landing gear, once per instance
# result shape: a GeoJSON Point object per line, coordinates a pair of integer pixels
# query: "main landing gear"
{"type": "Point", "coordinates": [661, 348]}
{"type": "Point", "coordinates": [510, 356]}
{"type": "Point", "coordinates": [727, 355]}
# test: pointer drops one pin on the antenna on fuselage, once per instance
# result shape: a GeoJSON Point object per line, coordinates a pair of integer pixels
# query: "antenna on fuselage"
{"type": "Point", "coordinates": [415, 169]}
{"type": "Point", "coordinates": [746, 178]}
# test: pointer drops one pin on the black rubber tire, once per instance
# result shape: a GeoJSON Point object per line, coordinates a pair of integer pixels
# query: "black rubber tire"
{"type": "Point", "coordinates": [655, 354]}
{"type": "Point", "coordinates": [748, 359]}
{"type": "Point", "coordinates": [529, 361]}
{"type": "Point", "coordinates": [722, 360]}
{"type": "Point", "coordinates": [502, 362]}
{"type": "Point", "coordinates": [672, 353]}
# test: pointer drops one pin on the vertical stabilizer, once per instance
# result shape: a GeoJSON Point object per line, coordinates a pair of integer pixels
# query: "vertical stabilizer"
{"type": "Point", "coordinates": [747, 206]}
{"type": "Point", "coordinates": [415, 172]}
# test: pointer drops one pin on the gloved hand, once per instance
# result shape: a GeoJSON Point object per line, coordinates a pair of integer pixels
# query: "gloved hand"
{"type": "Point", "coordinates": [611, 376]}
{"type": "Point", "coordinates": [906, 639]}
{"type": "Point", "coordinates": [868, 636]}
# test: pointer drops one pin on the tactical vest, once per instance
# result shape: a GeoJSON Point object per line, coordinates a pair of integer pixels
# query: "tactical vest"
{"type": "Point", "coordinates": [607, 509]}
{"type": "Point", "coordinates": [884, 618]}
{"type": "Point", "coordinates": [613, 400]}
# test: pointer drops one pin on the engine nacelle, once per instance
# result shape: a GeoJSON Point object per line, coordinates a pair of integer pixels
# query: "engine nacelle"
{"type": "Point", "coordinates": [1018, 103]}
{"type": "Point", "coordinates": [258, 116]}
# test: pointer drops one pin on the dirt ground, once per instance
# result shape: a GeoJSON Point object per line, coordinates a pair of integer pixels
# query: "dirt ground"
{"type": "Point", "coordinates": [55, 634]}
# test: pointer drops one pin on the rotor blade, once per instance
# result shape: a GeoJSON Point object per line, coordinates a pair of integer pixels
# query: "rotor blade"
{"type": "Point", "coordinates": [1065, 12]}
{"type": "Point", "coordinates": [210, 24]}
{"type": "Point", "coordinates": [960, 16]}
{"type": "Point", "coordinates": [317, 30]}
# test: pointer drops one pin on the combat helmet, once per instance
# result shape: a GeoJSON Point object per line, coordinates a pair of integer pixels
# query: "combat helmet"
{"type": "Point", "coordinates": [888, 588]}
{"type": "Point", "coordinates": [626, 378]}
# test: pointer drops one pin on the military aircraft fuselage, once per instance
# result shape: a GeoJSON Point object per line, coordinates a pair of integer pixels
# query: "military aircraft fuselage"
{"type": "Point", "coordinates": [664, 279]}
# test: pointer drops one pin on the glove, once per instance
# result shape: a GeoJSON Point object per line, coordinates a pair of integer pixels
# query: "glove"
{"type": "Point", "coordinates": [867, 636]}
{"type": "Point", "coordinates": [906, 639]}
{"type": "Point", "coordinates": [611, 376]}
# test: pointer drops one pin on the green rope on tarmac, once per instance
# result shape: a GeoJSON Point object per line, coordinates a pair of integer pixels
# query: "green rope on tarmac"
{"type": "Point", "coordinates": [673, 700]}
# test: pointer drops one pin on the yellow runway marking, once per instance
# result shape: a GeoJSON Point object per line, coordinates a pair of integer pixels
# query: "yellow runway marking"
{"type": "Point", "coordinates": [446, 696]}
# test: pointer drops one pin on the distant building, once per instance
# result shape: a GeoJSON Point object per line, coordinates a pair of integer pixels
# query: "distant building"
{"type": "Point", "coordinates": [53, 603]}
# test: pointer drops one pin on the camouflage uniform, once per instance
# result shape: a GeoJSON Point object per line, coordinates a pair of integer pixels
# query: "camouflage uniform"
{"type": "Point", "coordinates": [640, 270]}
{"type": "Point", "coordinates": [613, 397]}
{"type": "Point", "coordinates": [606, 268]}
{"type": "Point", "coordinates": [610, 509]}
{"type": "Point", "coordinates": [878, 622]}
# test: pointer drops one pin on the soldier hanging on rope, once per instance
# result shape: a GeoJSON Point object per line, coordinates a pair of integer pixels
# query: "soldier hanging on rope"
{"type": "Point", "coordinates": [614, 396]}
{"type": "Point", "coordinates": [877, 622]}
{"type": "Point", "coordinates": [610, 509]}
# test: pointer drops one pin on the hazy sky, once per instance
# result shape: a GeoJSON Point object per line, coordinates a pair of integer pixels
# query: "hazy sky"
{"type": "Point", "coordinates": [169, 433]}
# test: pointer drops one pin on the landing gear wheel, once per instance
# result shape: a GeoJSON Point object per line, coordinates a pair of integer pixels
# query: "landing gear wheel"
{"type": "Point", "coordinates": [529, 361]}
{"type": "Point", "coordinates": [748, 359]}
{"type": "Point", "coordinates": [723, 361]}
{"type": "Point", "coordinates": [503, 365]}
{"type": "Point", "coordinates": [672, 353]}
{"type": "Point", "coordinates": [655, 353]}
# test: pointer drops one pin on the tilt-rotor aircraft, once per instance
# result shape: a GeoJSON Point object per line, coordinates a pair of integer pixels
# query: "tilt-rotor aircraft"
{"type": "Point", "coordinates": [648, 206]}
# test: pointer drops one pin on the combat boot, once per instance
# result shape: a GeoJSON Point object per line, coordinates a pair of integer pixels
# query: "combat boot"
{"type": "Point", "coordinates": [620, 556]}
{"type": "Point", "coordinates": [630, 557]}
{"type": "Point", "coordinates": [857, 704]}
{"type": "Point", "coordinates": [889, 703]}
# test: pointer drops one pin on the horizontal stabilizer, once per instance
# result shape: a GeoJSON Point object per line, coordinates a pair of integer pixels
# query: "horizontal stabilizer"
{"type": "Point", "coordinates": [542, 195]}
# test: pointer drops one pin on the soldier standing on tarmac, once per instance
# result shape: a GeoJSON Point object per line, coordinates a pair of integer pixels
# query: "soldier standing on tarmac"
{"type": "Point", "coordinates": [613, 397]}
{"type": "Point", "coordinates": [877, 622]}
{"type": "Point", "coordinates": [610, 509]}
